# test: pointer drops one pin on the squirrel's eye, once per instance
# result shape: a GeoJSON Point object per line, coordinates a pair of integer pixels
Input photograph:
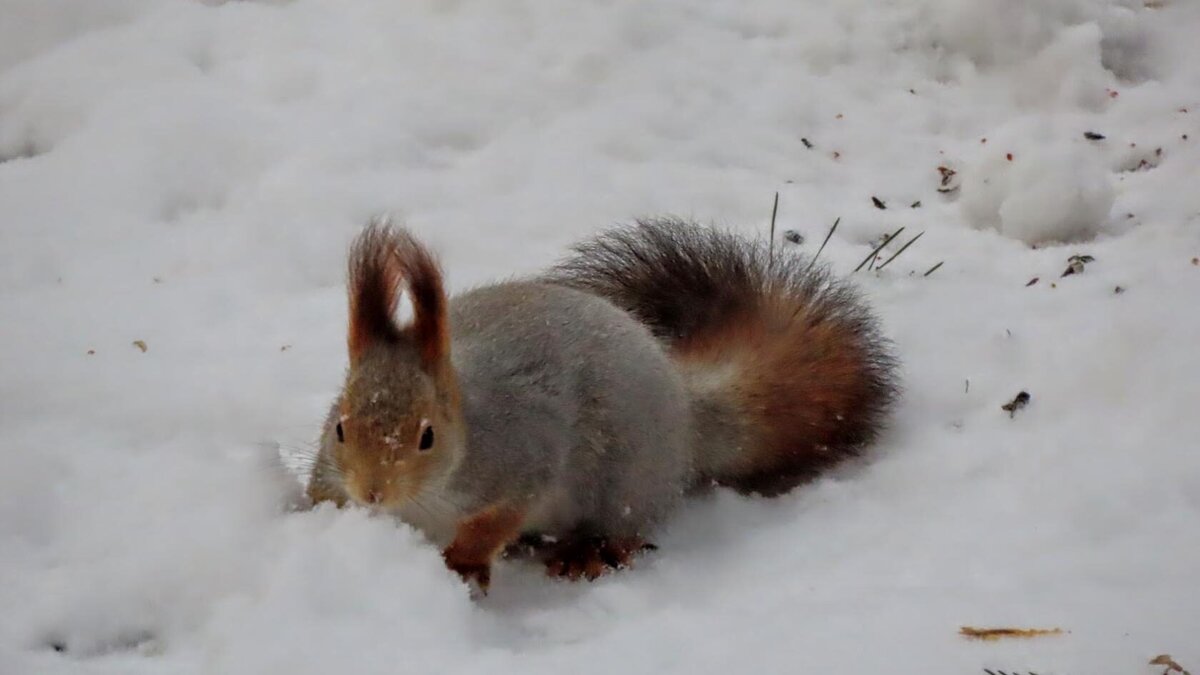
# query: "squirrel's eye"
{"type": "Point", "coordinates": [341, 434]}
{"type": "Point", "coordinates": [426, 439]}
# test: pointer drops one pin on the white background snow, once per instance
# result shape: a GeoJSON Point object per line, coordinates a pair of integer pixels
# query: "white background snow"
{"type": "Point", "coordinates": [189, 174]}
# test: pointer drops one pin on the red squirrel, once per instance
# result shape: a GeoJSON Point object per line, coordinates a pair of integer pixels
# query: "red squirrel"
{"type": "Point", "coordinates": [576, 409]}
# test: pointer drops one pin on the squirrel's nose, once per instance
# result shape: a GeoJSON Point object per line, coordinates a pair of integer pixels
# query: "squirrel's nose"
{"type": "Point", "coordinates": [374, 496]}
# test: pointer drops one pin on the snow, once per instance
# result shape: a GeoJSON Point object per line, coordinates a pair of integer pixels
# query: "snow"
{"type": "Point", "coordinates": [1060, 190]}
{"type": "Point", "coordinates": [189, 174]}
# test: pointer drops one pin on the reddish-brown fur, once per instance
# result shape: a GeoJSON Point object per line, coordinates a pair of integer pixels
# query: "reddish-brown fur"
{"type": "Point", "coordinates": [383, 261]}
{"type": "Point", "coordinates": [479, 538]}
{"type": "Point", "coordinates": [792, 401]}
{"type": "Point", "coordinates": [790, 372]}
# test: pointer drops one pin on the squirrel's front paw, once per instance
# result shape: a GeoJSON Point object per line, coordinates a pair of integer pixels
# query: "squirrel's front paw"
{"type": "Point", "coordinates": [587, 557]}
{"type": "Point", "coordinates": [477, 541]}
{"type": "Point", "coordinates": [470, 570]}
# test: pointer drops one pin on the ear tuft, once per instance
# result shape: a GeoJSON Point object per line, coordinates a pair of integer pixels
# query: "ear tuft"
{"type": "Point", "coordinates": [382, 260]}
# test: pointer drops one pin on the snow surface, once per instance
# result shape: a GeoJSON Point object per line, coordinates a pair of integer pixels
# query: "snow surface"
{"type": "Point", "coordinates": [189, 173]}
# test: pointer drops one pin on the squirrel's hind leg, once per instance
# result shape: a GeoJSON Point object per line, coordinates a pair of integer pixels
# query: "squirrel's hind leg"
{"type": "Point", "coordinates": [584, 554]}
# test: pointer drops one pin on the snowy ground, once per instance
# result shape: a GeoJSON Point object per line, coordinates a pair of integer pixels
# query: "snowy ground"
{"type": "Point", "coordinates": [188, 174]}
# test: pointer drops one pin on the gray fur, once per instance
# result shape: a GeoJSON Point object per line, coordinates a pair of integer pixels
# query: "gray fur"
{"type": "Point", "coordinates": [571, 408]}
{"type": "Point", "coordinates": [571, 401]}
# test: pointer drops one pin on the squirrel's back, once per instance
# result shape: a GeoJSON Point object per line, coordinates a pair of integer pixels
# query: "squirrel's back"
{"type": "Point", "coordinates": [786, 368]}
{"type": "Point", "coordinates": [561, 389]}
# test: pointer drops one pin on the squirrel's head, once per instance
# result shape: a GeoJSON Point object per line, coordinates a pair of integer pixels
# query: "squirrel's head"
{"type": "Point", "coordinates": [397, 427]}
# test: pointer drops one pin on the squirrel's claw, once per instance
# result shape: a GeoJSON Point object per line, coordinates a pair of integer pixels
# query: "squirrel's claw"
{"type": "Point", "coordinates": [589, 557]}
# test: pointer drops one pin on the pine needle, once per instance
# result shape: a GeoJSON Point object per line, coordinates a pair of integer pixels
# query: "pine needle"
{"type": "Point", "coordinates": [991, 634]}
{"type": "Point", "coordinates": [878, 248]}
{"type": "Point", "coordinates": [902, 249]}
{"type": "Point", "coordinates": [771, 246]}
{"type": "Point", "coordinates": [822, 248]}
{"type": "Point", "coordinates": [934, 268]}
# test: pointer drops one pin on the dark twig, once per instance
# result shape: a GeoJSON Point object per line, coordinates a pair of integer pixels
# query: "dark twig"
{"type": "Point", "coordinates": [934, 268]}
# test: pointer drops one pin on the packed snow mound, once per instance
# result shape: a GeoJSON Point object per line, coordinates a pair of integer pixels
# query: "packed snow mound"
{"type": "Point", "coordinates": [188, 175]}
{"type": "Point", "coordinates": [1034, 182]}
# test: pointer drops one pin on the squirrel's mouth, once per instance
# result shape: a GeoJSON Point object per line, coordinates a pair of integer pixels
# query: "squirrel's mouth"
{"type": "Point", "coordinates": [388, 485]}
{"type": "Point", "coordinates": [384, 496]}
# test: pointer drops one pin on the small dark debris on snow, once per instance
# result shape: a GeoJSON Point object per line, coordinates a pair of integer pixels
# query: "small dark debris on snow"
{"type": "Point", "coordinates": [58, 646]}
{"type": "Point", "coordinates": [947, 176]}
{"type": "Point", "coordinates": [1171, 665]}
{"type": "Point", "coordinates": [915, 205]}
{"type": "Point", "coordinates": [1075, 264]}
{"type": "Point", "coordinates": [1008, 156]}
{"type": "Point", "coordinates": [1143, 165]}
{"type": "Point", "coordinates": [808, 144]}
{"type": "Point", "coordinates": [878, 202]}
{"type": "Point", "coordinates": [1032, 282]}
{"type": "Point", "coordinates": [1093, 136]}
{"type": "Point", "coordinates": [1196, 261]}
{"type": "Point", "coordinates": [284, 348]}
{"type": "Point", "coordinates": [1019, 401]}
{"type": "Point", "coordinates": [793, 236]}
{"type": "Point", "coordinates": [141, 345]}
{"type": "Point", "coordinates": [933, 269]}
{"type": "Point", "coordinates": [91, 352]}
{"type": "Point", "coordinates": [1118, 290]}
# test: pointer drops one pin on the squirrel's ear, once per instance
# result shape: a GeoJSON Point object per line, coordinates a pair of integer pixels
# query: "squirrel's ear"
{"type": "Point", "coordinates": [381, 260]}
{"type": "Point", "coordinates": [429, 329]}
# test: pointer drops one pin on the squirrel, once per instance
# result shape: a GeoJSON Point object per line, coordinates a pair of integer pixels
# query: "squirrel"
{"type": "Point", "coordinates": [570, 413]}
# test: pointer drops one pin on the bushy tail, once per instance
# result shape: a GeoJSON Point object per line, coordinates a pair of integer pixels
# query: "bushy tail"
{"type": "Point", "coordinates": [787, 370]}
